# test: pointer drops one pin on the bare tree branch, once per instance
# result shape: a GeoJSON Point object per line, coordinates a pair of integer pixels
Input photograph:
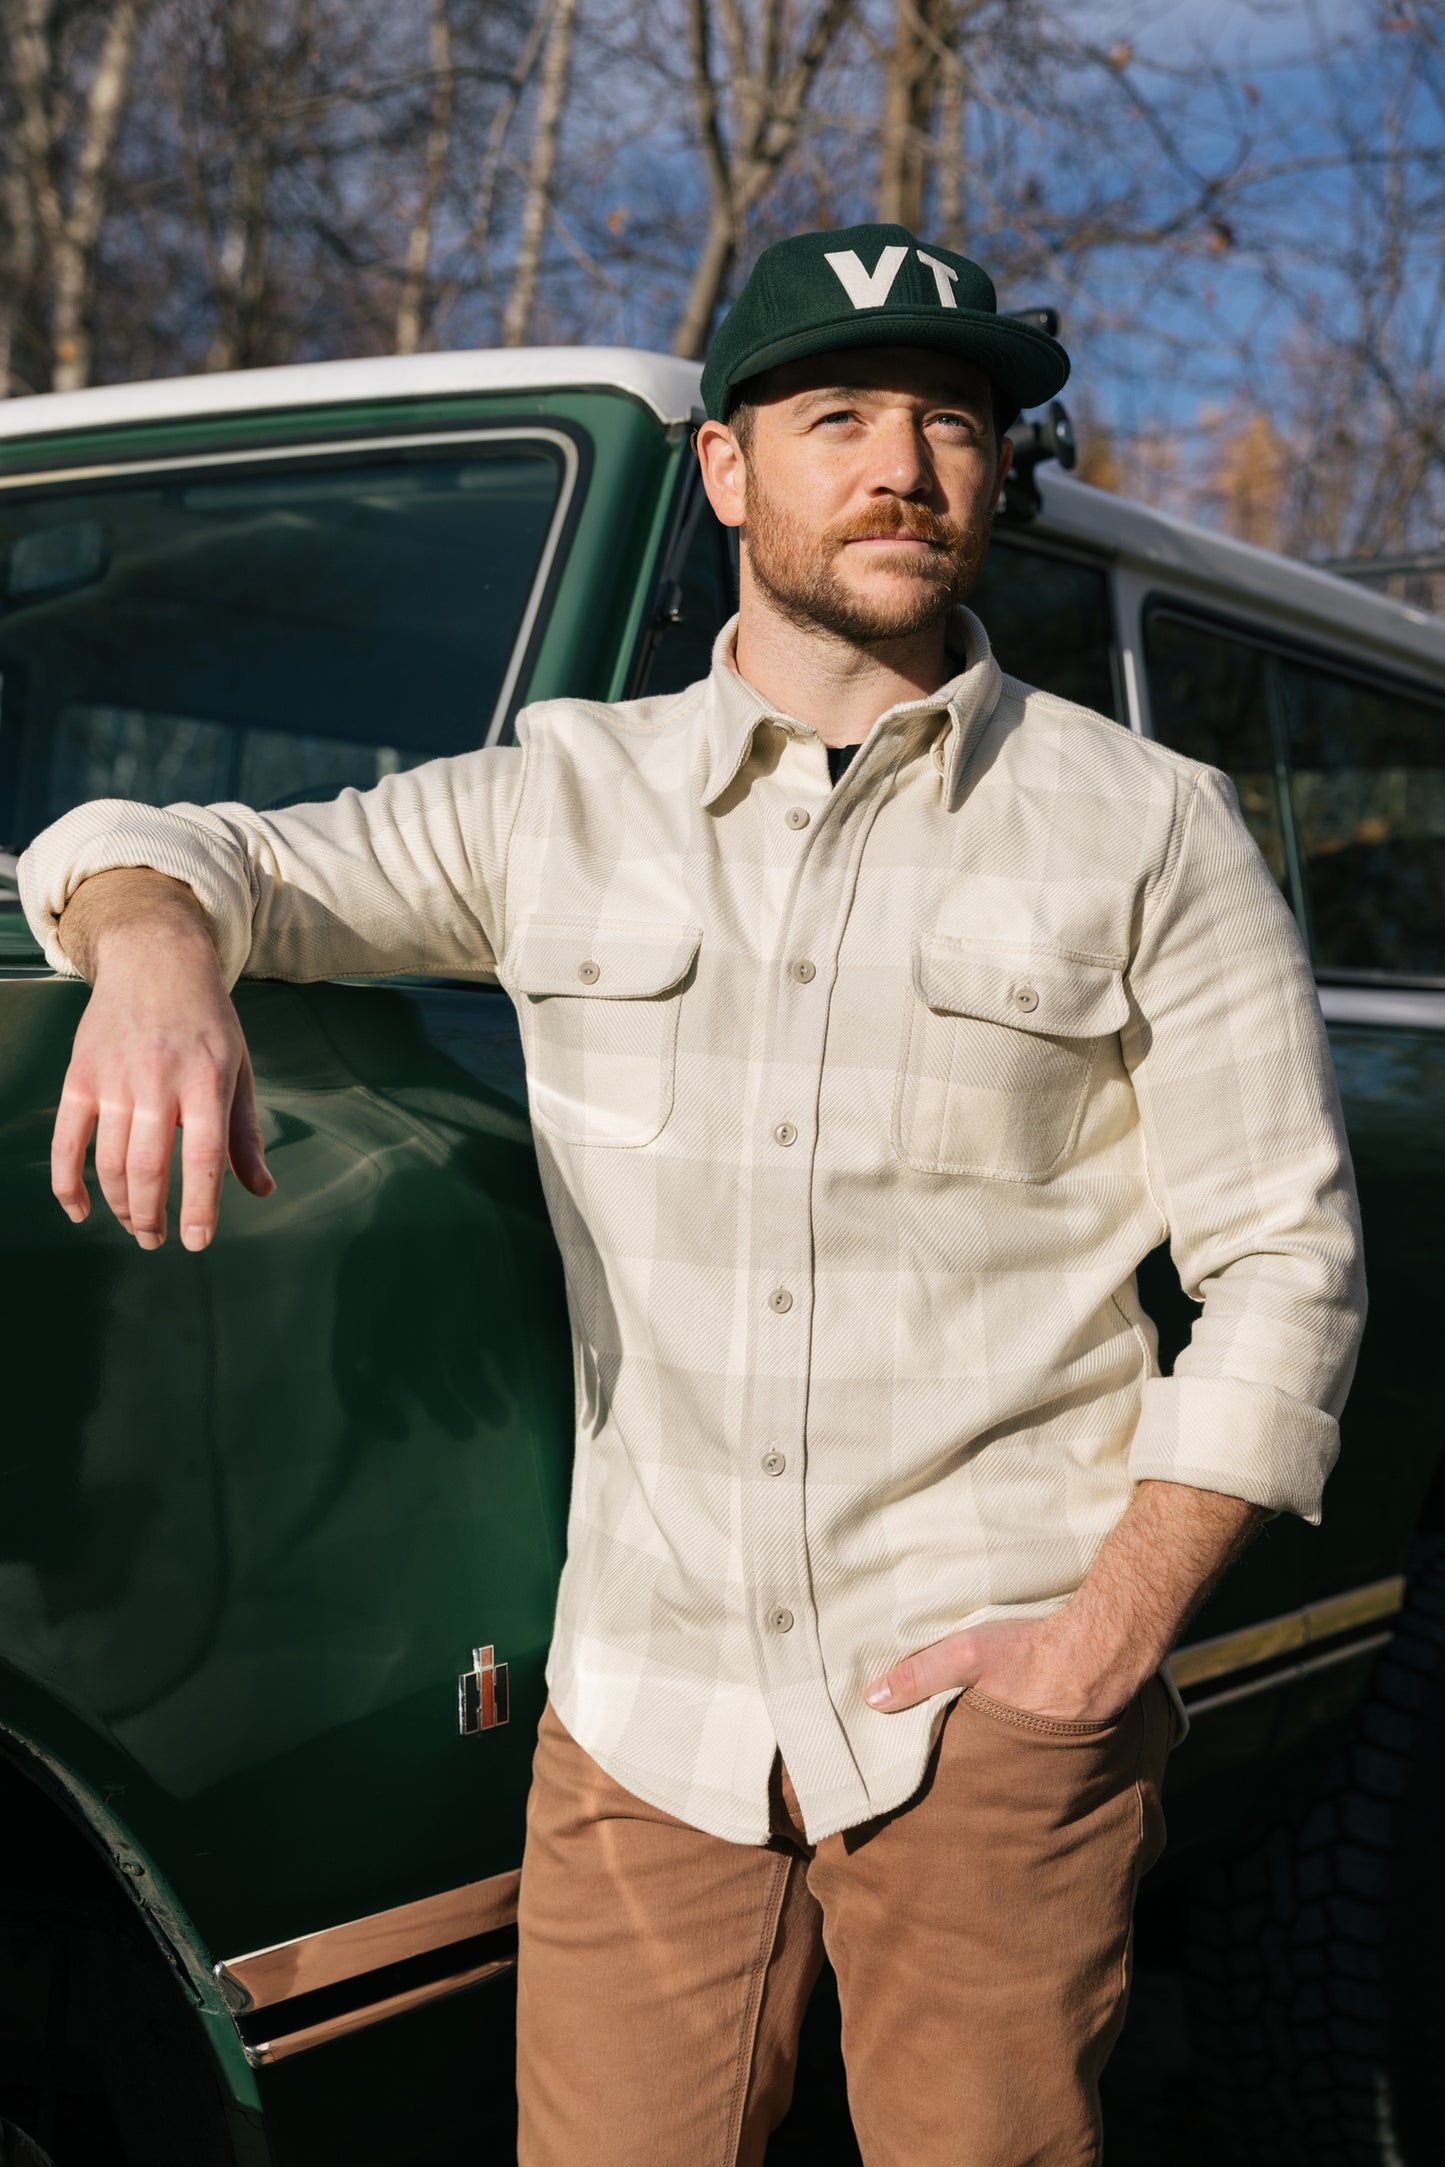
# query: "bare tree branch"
{"type": "Point", "coordinates": [541, 169]}
{"type": "Point", "coordinates": [768, 96]}
{"type": "Point", "coordinates": [438, 151]}
{"type": "Point", "coordinates": [70, 230]}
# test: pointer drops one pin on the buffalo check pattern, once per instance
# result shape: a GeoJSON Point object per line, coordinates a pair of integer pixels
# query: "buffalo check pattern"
{"type": "Point", "coordinates": [857, 1107]}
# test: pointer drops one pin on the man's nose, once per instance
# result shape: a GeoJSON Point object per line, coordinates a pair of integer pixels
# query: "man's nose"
{"type": "Point", "coordinates": [899, 463]}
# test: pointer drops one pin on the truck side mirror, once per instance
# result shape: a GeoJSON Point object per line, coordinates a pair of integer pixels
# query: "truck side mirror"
{"type": "Point", "coordinates": [1033, 442]}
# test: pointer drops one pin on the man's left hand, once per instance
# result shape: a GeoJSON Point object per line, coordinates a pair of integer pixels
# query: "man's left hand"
{"type": "Point", "coordinates": [1036, 1664]}
{"type": "Point", "coordinates": [1085, 1663]}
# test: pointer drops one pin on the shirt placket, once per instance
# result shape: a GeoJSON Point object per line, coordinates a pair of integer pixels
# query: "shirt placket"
{"type": "Point", "coordinates": [782, 1598]}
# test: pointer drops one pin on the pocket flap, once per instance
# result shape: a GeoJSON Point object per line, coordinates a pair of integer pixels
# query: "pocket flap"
{"type": "Point", "coordinates": [611, 961]}
{"type": "Point", "coordinates": [1030, 989]}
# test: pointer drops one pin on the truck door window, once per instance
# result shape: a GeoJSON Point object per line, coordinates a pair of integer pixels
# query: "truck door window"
{"type": "Point", "coordinates": [701, 605]}
{"type": "Point", "coordinates": [1209, 697]}
{"type": "Point", "coordinates": [1049, 622]}
{"type": "Point", "coordinates": [269, 631]}
{"type": "Point", "coordinates": [1367, 767]}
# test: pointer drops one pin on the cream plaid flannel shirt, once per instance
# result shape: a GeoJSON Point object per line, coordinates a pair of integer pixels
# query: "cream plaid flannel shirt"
{"type": "Point", "coordinates": [856, 1107]}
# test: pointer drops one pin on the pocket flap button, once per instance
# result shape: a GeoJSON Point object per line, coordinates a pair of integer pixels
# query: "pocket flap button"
{"type": "Point", "coordinates": [589, 973]}
{"type": "Point", "coordinates": [1026, 999]}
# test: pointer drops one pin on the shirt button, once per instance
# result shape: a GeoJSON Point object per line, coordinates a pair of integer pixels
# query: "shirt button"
{"type": "Point", "coordinates": [589, 973]}
{"type": "Point", "coordinates": [780, 1301]}
{"type": "Point", "coordinates": [781, 1620]}
{"type": "Point", "coordinates": [804, 971]}
{"type": "Point", "coordinates": [774, 1463]}
{"type": "Point", "coordinates": [797, 816]}
{"type": "Point", "coordinates": [785, 1133]}
{"type": "Point", "coordinates": [1026, 999]}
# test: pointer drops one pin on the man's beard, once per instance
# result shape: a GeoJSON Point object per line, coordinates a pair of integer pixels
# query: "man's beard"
{"type": "Point", "coordinates": [798, 571]}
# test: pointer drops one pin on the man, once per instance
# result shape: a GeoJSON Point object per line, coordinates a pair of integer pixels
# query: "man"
{"type": "Point", "coordinates": [860, 1086]}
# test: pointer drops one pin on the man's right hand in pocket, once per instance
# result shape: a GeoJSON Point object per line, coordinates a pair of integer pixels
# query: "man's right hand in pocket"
{"type": "Point", "coordinates": [159, 1048]}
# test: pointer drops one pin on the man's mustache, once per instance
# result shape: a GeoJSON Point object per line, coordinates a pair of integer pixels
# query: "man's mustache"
{"type": "Point", "coordinates": [898, 518]}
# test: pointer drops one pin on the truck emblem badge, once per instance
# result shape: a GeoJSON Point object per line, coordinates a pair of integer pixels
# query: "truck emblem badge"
{"type": "Point", "coordinates": [482, 1693]}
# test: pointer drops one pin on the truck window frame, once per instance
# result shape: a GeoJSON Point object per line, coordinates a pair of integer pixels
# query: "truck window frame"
{"type": "Point", "coordinates": [566, 439]}
{"type": "Point", "coordinates": [1027, 541]}
{"type": "Point", "coordinates": [1287, 647]}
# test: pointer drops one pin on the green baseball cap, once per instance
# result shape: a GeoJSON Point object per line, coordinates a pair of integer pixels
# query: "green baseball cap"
{"type": "Point", "coordinates": [875, 286]}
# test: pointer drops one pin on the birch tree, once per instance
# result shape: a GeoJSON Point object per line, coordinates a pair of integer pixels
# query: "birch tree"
{"type": "Point", "coordinates": [751, 85]}
{"type": "Point", "coordinates": [59, 160]}
{"type": "Point", "coordinates": [923, 55]}
{"type": "Point", "coordinates": [438, 150]}
{"type": "Point", "coordinates": [541, 170]}
{"type": "Point", "coordinates": [483, 201]}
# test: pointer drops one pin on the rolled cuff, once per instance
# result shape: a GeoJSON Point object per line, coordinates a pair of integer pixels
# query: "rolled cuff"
{"type": "Point", "coordinates": [108, 834]}
{"type": "Point", "coordinates": [1246, 1440]}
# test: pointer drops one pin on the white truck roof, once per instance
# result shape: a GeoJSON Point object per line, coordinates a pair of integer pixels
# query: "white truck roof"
{"type": "Point", "coordinates": [668, 386]}
{"type": "Point", "coordinates": [1150, 543]}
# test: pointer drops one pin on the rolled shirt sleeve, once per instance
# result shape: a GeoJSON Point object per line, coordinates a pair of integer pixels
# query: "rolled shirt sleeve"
{"type": "Point", "coordinates": [1246, 1152]}
{"type": "Point", "coordinates": [408, 876]}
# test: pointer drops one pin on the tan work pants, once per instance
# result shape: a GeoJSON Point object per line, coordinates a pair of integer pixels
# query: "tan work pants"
{"type": "Point", "coordinates": [980, 1934]}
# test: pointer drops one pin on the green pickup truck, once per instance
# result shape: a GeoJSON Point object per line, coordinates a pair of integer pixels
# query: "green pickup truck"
{"type": "Point", "coordinates": [281, 1525]}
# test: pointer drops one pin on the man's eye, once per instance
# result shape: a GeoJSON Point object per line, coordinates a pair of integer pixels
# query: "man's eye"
{"type": "Point", "coordinates": [843, 413]}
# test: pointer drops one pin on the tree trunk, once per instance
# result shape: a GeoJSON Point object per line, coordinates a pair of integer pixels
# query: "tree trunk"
{"type": "Point", "coordinates": [17, 284]}
{"type": "Point", "coordinates": [241, 264]}
{"type": "Point", "coordinates": [768, 94]}
{"type": "Point", "coordinates": [909, 82]}
{"type": "Point", "coordinates": [438, 151]}
{"type": "Point", "coordinates": [921, 133]}
{"type": "Point", "coordinates": [541, 168]}
{"type": "Point", "coordinates": [474, 245]}
{"type": "Point", "coordinates": [951, 152]}
{"type": "Point", "coordinates": [719, 252]}
{"type": "Point", "coordinates": [69, 233]}
{"type": "Point", "coordinates": [74, 268]}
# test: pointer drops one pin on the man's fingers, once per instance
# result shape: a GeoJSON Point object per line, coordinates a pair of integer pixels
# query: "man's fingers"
{"type": "Point", "coordinates": [73, 1126]}
{"type": "Point", "coordinates": [148, 1172]}
{"type": "Point", "coordinates": [931, 1670]}
{"type": "Point", "coordinates": [203, 1169]}
{"type": "Point", "coordinates": [112, 1140]}
{"type": "Point", "coordinates": [248, 1146]}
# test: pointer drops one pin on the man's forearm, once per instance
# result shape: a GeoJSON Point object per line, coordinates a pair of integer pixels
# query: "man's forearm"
{"type": "Point", "coordinates": [1171, 1547]}
{"type": "Point", "coordinates": [130, 900]}
{"type": "Point", "coordinates": [1086, 1661]}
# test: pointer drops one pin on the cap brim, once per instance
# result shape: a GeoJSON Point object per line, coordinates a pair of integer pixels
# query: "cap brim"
{"type": "Point", "coordinates": [1025, 363]}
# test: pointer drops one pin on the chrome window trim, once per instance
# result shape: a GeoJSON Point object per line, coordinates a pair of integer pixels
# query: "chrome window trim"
{"type": "Point", "coordinates": [1336, 1629]}
{"type": "Point", "coordinates": [1399, 1008]}
{"type": "Point", "coordinates": [343, 450]}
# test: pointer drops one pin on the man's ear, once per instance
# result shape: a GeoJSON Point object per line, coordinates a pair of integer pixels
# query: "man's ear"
{"type": "Point", "coordinates": [724, 472]}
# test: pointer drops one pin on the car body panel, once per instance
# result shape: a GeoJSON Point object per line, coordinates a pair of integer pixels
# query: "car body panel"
{"type": "Point", "coordinates": [258, 1507]}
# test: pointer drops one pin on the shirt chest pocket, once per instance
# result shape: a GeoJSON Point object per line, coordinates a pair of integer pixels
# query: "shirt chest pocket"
{"type": "Point", "coordinates": [598, 1005]}
{"type": "Point", "coordinates": [1000, 1046]}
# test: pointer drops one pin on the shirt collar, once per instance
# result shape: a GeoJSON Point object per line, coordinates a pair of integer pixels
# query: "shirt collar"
{"type": "Point", "coordinates": [733, 710]}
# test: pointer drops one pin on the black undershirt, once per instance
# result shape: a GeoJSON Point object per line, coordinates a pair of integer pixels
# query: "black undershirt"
{"type": "Point", "coordinates": [838, 758]}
